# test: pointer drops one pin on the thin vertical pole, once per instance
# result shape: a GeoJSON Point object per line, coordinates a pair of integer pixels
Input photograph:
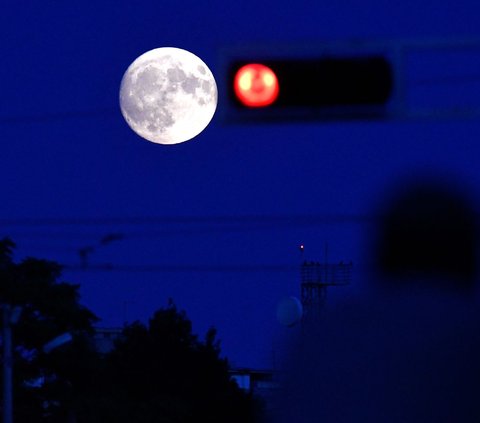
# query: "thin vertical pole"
{"type": "Point", "coordinates": [326, 262]}
{"type": "Point", "coordinates": [7, 366]}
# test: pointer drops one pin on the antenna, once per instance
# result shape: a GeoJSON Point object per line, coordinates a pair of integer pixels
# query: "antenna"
{"type": "Point", "coordinates": [316, 277]}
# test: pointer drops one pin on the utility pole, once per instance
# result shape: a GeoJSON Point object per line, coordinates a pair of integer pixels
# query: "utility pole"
{"type": "Point", "coordinates": [10, 317]}
{"type": "Point", "coordinates": [7, 364]}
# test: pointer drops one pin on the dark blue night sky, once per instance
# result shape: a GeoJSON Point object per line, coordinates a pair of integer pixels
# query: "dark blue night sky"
{"type": "Point", "coordinates": [73, 172]}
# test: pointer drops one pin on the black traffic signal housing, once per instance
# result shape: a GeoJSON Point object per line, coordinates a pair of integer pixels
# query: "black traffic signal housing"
{"type": "Point", "coordinates": [320, 88]}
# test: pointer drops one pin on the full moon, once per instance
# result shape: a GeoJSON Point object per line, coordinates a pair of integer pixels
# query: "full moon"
{"type": "Point", "coordinates": [168, 95]}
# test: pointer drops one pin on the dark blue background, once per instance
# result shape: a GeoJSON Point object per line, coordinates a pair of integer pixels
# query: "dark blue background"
{"type": "Point", "coordinates": [67, 155]}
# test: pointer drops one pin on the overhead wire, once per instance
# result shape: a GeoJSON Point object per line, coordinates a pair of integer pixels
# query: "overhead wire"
{"type": "Point", "coordinates": [171, 220]}
{"type": "Point", "coordinates": [173, 268]}
{"type": "Point", "coordinates": [57, 116]}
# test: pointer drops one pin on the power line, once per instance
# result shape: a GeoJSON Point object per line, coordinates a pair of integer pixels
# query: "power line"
{"type": "Point", "coordinates": [57, 116]}
{"type": "Point", "coordinates": [169, 268]}
{"type": "Point", "coordinates": [447, 79]}
{"type": "Point", "coordinates": [172, 220]}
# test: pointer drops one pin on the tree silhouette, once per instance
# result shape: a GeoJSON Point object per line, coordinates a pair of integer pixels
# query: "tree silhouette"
{"type": "Point", "coordinates": [45, 385]}
{"type": "Point", "coordinates": [158, 372]}
{"type": "Point", "coordinates": [162, 372]}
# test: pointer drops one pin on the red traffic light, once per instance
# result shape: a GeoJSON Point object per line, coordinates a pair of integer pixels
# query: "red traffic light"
{"type": "Point", "coordinates": [324, 88]}
{"type": "Point", "coordinates": [256, 85]}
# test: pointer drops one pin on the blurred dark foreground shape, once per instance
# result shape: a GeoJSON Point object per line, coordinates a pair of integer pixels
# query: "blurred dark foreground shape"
{"type": "Point", "coordinates": [428, 229]}
{"type": "Point", "coordinates": [409, 349]}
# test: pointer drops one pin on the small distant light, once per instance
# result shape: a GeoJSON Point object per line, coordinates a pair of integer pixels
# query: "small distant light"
{"type": "Point", "coordinates": [256, 85]}
{"type": "Point", "coordinates": [302, 247]}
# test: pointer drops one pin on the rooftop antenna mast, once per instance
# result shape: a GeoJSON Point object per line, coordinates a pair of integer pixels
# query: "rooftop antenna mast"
{"type": "Point", "coordinates": [316, 278]}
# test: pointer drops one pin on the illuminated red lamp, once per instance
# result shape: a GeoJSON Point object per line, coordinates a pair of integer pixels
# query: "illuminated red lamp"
{"type": "Point", "coordinates": [256, 85]}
